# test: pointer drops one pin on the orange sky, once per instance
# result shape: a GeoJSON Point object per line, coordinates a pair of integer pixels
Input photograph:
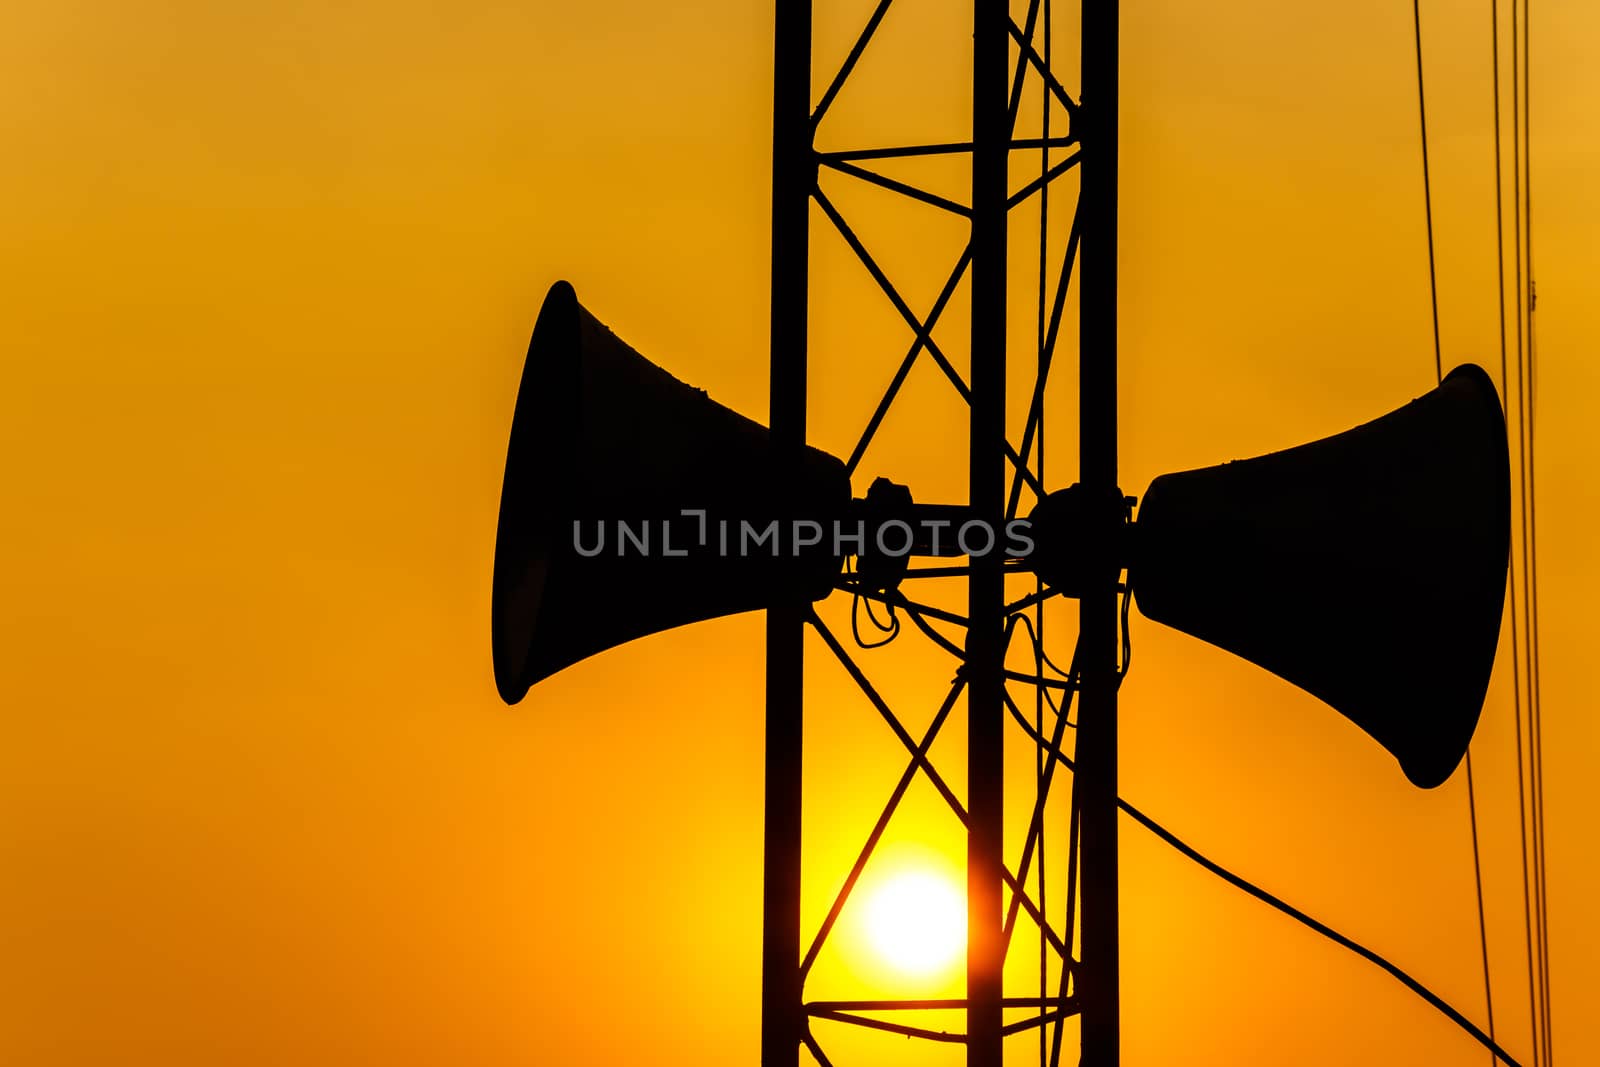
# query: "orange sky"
{"type": "Point", "coordinates": [269, 271]}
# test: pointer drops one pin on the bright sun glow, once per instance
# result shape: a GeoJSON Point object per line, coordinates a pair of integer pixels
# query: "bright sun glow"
{"type": "Point", "coordinates": [917, 922]}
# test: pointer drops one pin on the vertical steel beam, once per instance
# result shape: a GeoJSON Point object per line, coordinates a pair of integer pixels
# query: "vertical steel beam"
{"type": "Point", "coordinates": [986, 586]}
{"type": "Point", "coordinates": [1097, 730]}
{"type": "Point", "coordinates": [792, 178]}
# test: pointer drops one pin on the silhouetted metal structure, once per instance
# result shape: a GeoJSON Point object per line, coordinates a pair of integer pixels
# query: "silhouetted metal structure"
{"type": "Point", "coordinates": [995, 95]}
{"type": "Point", "coordinates": [1415, 504]}
{"type": "Point", "coordinates": [1412, 505]}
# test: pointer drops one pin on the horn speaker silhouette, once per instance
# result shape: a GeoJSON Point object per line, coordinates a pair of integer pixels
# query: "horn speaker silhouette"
{"type": "Point", "coordinates": [1367, 568]}
{"type": "Point", "coordinates": [601, 435]}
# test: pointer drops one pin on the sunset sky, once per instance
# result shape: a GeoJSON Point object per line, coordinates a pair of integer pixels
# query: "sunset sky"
{"type": "Point", "coordinates": [268, 276]}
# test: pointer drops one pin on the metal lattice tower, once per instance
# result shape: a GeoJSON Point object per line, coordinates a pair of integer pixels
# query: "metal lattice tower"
{"type": "Point", "coordinates": [1008, 52]}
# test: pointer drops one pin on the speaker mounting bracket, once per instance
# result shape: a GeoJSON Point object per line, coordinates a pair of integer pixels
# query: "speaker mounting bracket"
{"type": "Point", "coordinates": [1082, 538]}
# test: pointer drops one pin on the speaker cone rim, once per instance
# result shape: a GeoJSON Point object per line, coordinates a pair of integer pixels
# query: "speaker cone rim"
{"type": "Point", "coordinates": [543, 426]}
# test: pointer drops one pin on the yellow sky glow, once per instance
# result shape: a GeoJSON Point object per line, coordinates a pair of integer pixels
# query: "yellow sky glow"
{"type": "Point", "coordinates": [269, 272]}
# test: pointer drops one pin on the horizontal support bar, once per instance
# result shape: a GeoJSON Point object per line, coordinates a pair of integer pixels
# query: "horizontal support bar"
{"type": "Point", "coordinates": [892, 1028]}
{"type": "Point", "coordinates": [832, 1014]}
{"type": "Point", "coordinates": [922, 1005]}
{"type": "Point", "coordinates": [1065, 140]}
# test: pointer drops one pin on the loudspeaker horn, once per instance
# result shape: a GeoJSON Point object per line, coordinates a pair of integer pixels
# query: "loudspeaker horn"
{"type": "Point", "coordinates": [1368, 568]}
{"type": "Point", "coordinates": [621, 485]}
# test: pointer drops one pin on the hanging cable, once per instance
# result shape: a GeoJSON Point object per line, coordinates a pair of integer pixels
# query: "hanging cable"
{"type": "Point", "coordinates": [1040, 695]}
{"type": "Point", "coordinates": [1505, 392]}
{"type": "Point", "coordinates": [1477, 877]}
{"type": "Point", "coordinates": [1239, 882]}
{"type": "Point", "coordinates": [1438, 370]}
{"type": "Point", "coordinates": [1528, 791]}
{"type": "Point", "coordinates": [1037, 637]}
{"type": "Point", "coordinates": [1531, 577]}
{"type": "Point", "coordinates": [1127, 638]}
{"type": "Point", "coordinates": [890, 629]}
{"type": "Point", "coordinates": [1427, 191]}
{"type": "Point", "coordinates": [1326, 931]}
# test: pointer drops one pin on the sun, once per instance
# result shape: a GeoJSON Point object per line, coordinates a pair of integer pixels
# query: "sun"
{"type": "Point", "coordinates": [917, 922]}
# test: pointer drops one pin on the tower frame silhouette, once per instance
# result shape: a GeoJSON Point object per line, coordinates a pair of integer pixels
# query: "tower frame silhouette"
{"type": "Point", "coordinates": [997, 80]}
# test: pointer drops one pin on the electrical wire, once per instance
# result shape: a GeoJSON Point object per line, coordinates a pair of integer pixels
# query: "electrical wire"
{"type": "Point", "coordinates": [1427, 190]}
{"type": "Point", "coordinates": [1531, 578]}
{"type": "Point", "coordinates": [1240, 882]}
{"type": "Point", "coordinates": [1322, 928]}
{"type": "Point", "coordinates": [1477, 876]}
{"type": "Point", "coordinates": [890, 629]}
{"type": "Point", "coordinates": [1534, 894]}
{"type": "Point", "coordinates": [1530, 790]}
{"type": "Point", "coordinates": [1517, 639]}
{"type": "Point", "coordinates": [1037, 638]}
{"type": "Point", "coordinates": [1042, 765]}
{"type": "Point", "coordinates": [1127, 637]}
{"type": "Point", "coordinates": [1438, 371]}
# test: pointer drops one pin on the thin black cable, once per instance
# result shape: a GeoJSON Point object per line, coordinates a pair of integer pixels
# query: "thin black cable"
{"type": "Point", "coordinates": [1505, 393]}
{"type": "Point", "coordinates": [1527, 799]}
{"type": "Point", "coordinates": [1037, 637]}
{"type": "Point", "coordinates": [1071, 679]}
{"type": "Point", "coordinates": [890, 632]}
{"type": "Point", "coordinates": [891, 629]}
{"type": "Point", "coordinates": [1438, 370]}
{"type": "Point", "coordinates": [1038, 680]}
{"type": "Point", "coordinates": [1531, 588]}
{"type": "Point", "coordinates": [1322, 928]}
{"type": "Point", "coordinates": [1427, 190]}
{"type": "Point", "coordinates": [1127, 638]}
{"type": "Point", "coordinates": [1042, 765]}
{"type": "Point", "coordinates": [1477, 875]}
{"type": "Point", "coordinates": [1239, 882]}
{"type": "Point", "coordinates": [1058, 1031]}
{"type": "Point", "coordinates": [915, 613]}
